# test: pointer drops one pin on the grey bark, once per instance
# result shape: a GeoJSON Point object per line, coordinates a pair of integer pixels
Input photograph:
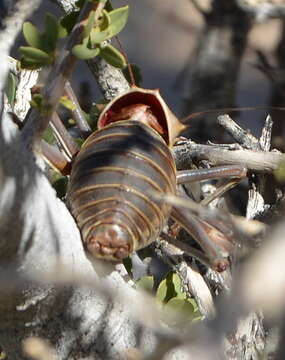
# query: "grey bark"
{"type": "Point", "coordinates": [51, 289]}
{"type": "Point", "coordinates": [215, 65]}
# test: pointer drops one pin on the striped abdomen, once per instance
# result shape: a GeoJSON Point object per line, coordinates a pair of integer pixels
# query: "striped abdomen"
{"type": "Point", "coordinates": [110, 188]}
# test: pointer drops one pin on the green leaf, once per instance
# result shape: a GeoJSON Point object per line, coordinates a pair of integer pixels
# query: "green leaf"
{"type": "Point", "coordinates": [146, 283]}
{"type": "Point", "coordinates": [67, 23]}
{"type": "Point", "coordinates": [119, 19]}
{"type": "Point", "coordinates": [82, 52]}
{"type": "Point", "coordinates": [97, 36]}
{"type": "Point", "coordinates": [105, 20]}
{"type": "Point", "coordinates": [66, 102]}
{"type": "Point", "coordinates": [51, 33]}
{"type": "Point", "coordinates": [113, 56]}
{"type": "Point", "coordinates": [10, 88]}
{"type": "Point", "coordinates": [169, 288]}
{"type": "Point", "coordinates": [36, 54]}
{"type": "Point", "coordinates": [32, 35]}
{"type": "Point", "coordinates": [116, 21]}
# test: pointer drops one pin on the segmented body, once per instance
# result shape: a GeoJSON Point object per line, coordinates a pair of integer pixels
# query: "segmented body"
{"type": "Point", "coordinates": [110, 188]}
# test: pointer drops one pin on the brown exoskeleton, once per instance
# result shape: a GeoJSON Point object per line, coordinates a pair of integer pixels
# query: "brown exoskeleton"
{"type": "Point", "coordinates": [117, 169]}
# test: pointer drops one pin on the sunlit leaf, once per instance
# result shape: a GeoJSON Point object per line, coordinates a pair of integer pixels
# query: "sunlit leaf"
{"type": "Point", "coordinates": [10, 88]}
{"type": "Point", "coordinates": [51, 32]}
{"type": "Point", "coordinates": [32, 35]}
{"type": "Point", "coordinates": [113, 56]}
{"type": "Point", "coordinates": [105, 20]}
{"type": "Point", "coordinates": [117, 20]}
{"type": "Point", "coordinates": [170, 287]}
{"type": "Point", "coordinates": [36, 54]}
{"type": "Point", "coordinates": [81, 51]}
{"type": "Point", "coordinates": [66, 102]}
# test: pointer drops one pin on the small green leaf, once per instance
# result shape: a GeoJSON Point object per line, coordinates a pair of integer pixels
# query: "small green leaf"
{"type": "Point", "coordinates": [118, 19]}
{"type": "Point", "coordinates": [36, 54]}
{"type": "Point", "coordinates": [32, 35]}
{"type": "Point", "coordinates": [10, 88]}
{"type": "Point", "coordinates": [170, 287]}
{"type": "Point", "coordinates": [66, 102]}
{"type": "Point", "coordinates": [51, 32]}
{"type": "Point", "coordinates": [97, 36]}
{"type": "Point", "coordinates": [82, 52]}
{"type": "Point", "coordinates": [105, 20]}
{"type": "Point", "coordinates": [146, 283]}
{"type": "Point", "coordinates": [111, 26]}
{"type": "Point", "coordinates": [113, 56]}
{"type": "Point", "coordinates": [181, 305]}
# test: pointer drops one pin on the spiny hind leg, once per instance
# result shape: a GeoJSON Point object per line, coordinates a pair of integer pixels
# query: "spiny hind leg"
{"type": "Point", "coordinates": [214, 240]}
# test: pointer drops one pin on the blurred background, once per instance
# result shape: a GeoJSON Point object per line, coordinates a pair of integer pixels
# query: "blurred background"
{"type": "Point", "coordinates": [202, 54]}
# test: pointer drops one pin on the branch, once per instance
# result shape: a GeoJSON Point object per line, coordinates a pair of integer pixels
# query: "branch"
{"type": "Point", "coordinates": [260, 161]}
{"type": "Point", "coordinates": [58, 76]}
{"type": "Point", "coordinates": [110, 80]}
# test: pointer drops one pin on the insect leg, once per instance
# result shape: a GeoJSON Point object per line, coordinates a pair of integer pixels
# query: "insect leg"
{"type": "Point", "coordinates": [218, 172]}
{"type": "Point", "coordinates": [214, 243]}
{"type": "Point", "coordinates": [233, 173]}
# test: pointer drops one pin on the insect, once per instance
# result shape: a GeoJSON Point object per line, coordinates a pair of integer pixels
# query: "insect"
{"type": "Point", "coordinates": [117, 169]}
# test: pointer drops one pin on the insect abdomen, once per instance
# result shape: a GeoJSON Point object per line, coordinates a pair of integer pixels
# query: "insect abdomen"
{"type": "Point", "coordinates": [110, 188]}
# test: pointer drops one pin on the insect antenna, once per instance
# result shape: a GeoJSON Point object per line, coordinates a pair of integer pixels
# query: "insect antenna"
{"type": "Point", "coordinates": [229, 109]}
{"type": "Point", "coordinates": [130, 70]}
